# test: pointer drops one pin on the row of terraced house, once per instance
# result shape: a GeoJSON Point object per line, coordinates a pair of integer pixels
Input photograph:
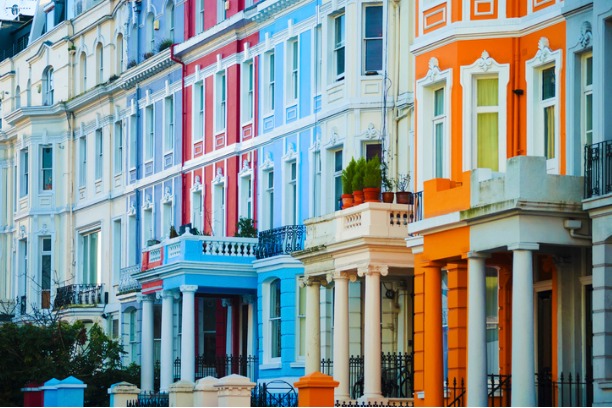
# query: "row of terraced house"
{"type": "Point", "coordinates": [136, 136]}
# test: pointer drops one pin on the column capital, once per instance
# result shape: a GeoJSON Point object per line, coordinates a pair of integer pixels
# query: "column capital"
{"type": "Point", "coordinates": [526, 246]}
{"type": "Point", "coordinates": [226, 302]}
{"type": "Point", "coordinates": [248, 299]}
{"type": "Point", "coordinates": [476, 255]}
{"type": "Point", "coordinates": [189, 288]}
{"type": "Point", "coordinates": [382, 270]}
{"type": "Point", "coordinates": [338, 275]}
{"type": "Point", "coordinates": [164, 294]}
{"type": "Point", "coordinates": [145, 298]}
{"type": "Point", "coordinates": [313, 280]}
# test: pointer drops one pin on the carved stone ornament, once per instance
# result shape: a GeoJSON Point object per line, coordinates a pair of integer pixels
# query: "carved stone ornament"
{"type": "Point", "coordinates": [290, 155]}
{"type": "Point", "coordinates": [167, 194]}
{"type": "Point", "coordinates": [586, 34]}
{"type": "Point", "coordinates": [147, 204]}
{"type": "Point", "coordinates": [132, 209]}
{"type": "Point", "coordinates": [219, 177]}
{"type": "Point", "coordinates": [544, 50]}
{"type": "Point", "coordinates": [197, 184]}
{"type": "Point", "coordinates": [44, 230]}
{"type": "Point", "coordinates": [434, 69]}
{"type": "Point", "coordinates": [485, 61]}
{"type": "Point", "coordinates": [371, 132]}
{"type": "Point", "coordinates": [22, 231]}
{"type": "Point", "coordinates": [267, 163]}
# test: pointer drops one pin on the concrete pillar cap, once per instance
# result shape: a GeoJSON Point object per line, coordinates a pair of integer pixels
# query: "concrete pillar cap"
{"type": "Point", "coordinates": [206, 384]}
{"type": "Point", "coordinates": [234, 380]}
{"type": "Point", "coordinates": [318, 380]}
{"type": "Point", "coordinates": [182, 386]}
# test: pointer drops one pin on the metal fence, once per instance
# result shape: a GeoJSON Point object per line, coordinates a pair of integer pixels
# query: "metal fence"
{"type": "Point", "coordinates": [566, 391]}
{"type": "Point", "coordinates": [81, 294]}
{"type": "Point", "coordinates": [220, 366]}
{"type": "Point", "coordinates": [160, 399]}
{"type": "Point", "coordinates": [598, 169]}
{"type": "Point", "coordinates": [275, 393]}
{"type": "Point", "coordinates": [390, 403]}
{"type": "Point", "coordinates": [396, 372]}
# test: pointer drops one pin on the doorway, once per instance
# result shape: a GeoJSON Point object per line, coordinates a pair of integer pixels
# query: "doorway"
{"type": "Point", "coordinates": [544, 342]}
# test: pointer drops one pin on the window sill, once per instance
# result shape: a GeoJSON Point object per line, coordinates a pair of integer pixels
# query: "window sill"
{"type": "Point", "coordinates": [298, 364]}
{"type": "Point", "coordinates": [270, 366]}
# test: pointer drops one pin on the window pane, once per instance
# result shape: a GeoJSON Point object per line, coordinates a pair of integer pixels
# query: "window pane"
{"type": "Point", "coordinates": [439, 141]}
{"type": "Point", "coordinates": [339, 33]}
{"type": "Point", "coordinates": [549, 132]}
{"type": "Point", "coordinates": [373, 51]}
{"type": "Point", "coordinates": [487, 92]}
{"type": "Point", "coordinates": [338, 160]}
{"type": "Point", "coordinates": [589, 71]}
{"type": "Point", "coordinates": [340, 61]}
{"type": "Point", "coordinates": [589, 112]}
{"type": "Point", "coordinates": [439, 102]}
{"type": "Point", "coordinates": [46, 272]}
{"type": "Point", "coordinates": [548, 83]}
{"type": "Point", "coordinates": [373, 22]}
{"type": "Point", "coordinates": [487, 124]}
{"type": "Point", "coordinates": [47, 157]}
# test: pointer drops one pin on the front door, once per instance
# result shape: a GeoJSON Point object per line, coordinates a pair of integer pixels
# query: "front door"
{"type": "Point", "coordinates": [544, 313]}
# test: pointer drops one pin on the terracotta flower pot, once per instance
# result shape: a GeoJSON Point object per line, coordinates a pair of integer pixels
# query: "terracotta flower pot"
{"type": "Point", "coordinates": [347, 201]}
{"type": "Point", "coordinates": [388, 197]}
{"type": "Point", "coordinates": [371, 195]}
{"type": "Point", "coordinates": [404, 197]}
{"type": "Point", "coordinates": [357, 197]}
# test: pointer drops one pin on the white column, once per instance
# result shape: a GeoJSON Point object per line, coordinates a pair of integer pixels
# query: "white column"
{"type": "Point", "coordinates": [313, 325]}
{"type": "Point", "coordinates": [166, 366]}
{"type": "Point", "coordinates": [250, 300]}
{"type": "Point", "coordinates": [523, 355]}
{"type": "Point", "coordinates": [477, 395]}
{"type": "Point", "coordinates": [188, 333]}
{"type": "Point", "coordinates": [146, 344]}
{"type": "Point", "coordinates": [341, 336]}
{"type": "Point", "coordinates": [372, 338]}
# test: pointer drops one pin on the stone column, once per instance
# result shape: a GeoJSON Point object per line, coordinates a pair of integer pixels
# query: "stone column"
{"type": "Point", "coordinates": [523, 355]}
{"type": "Point", "coordinates": [250, 300]}
{"type": "Point", "coordinates": [602, 313]}
{"type": "Point", "coordinates": [477, 395]}
{"type": "Point", "coordinates": [188, 333]}
{"type": "Point", "coordinates": [371, 344]}
{"type": "Point", "coordinates": [166, 366]}
{"type": "Point", "coordinates": [341, 334]}
{"type": "Point", "coordinates": [146, 344]}
{"type": "Point", "coordinates": [432, 336]}
{"type": "Point", "coordinates": [229, 335]}
{"type": "Point", "coordinates": [313, 323]}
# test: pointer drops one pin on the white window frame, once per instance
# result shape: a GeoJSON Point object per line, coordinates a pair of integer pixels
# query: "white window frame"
{"type": "Point", "coordinates": [149, 136]}
{"type": "Point", "coordinates": [83, 161]}
{"type": "Point", "coordinates": [169, 128]}
{"type": "Point", "coordinates": [133, 140]}
{"type": "Point", "coordinates": [132, 239]}
{"type": "Point", "coordinates": [291, 194]}
{"type": "Point", "coordinates": [221, 12]}
{"type": "Point", "coordinates": [316, 187]}
{"type": "Point", "coordinates": [426, 86]}
{"type": "Point", "coordinates": [267, 319]}
{"type": "Point", "coordinates": [199, 111]}
{"type": "Point", "coordinates": [197, 213]}
{"type": "Point", "coordinates": [24, 164]}
{"type": "Point", "coordinates": [366, 39]}
{"type": "Point", "coordinates": [317, 58]}
{"type": "Point", "coordinates": [43, 168]}
{"type": "Point", "coordinates": [150, 31]}
{"type": "Point", "coordinates": [219, 200]}
{"type": "Point", "coordinates": [99, 162]}
{"type": "Point", "coordinates": [118, 257]}
{"type": "Point", "coordinates": [167, 215]}
{"type": "Point", "coordinates": [586, 91]}
{"type": "Point", "coordinates": [300, 335]}
{"type": "Point", "coordinates": [269, 83]}
{"type": "Point", "coordinates": [100, 57]}
{"type": "Point", "coordinates": [120, 56]}
{"type": "Point", "coordinates": [199, 16]}
{"type": "Point", "coordinates": [248, 91]}
{"type": "Point", "coordinates": [170, 20]}
{"type": "Point", "coordinates": [544, 58]}
{"type": "Point", "coordinates": [336, 174]}
{"type": "Point", "coordinates": [482, 68]}
{"type": "Point", "coordinates": [245, 194]}
{"type": "Point", "coordinates": [267, 207]}
{"type": "Point", "coordinates": [293, 71]}
{"type": "Point", "coordinates": [83, 62]}
{"type": "Point", "coordinates": [118, 159]}
{"type": "Point", "coordinates": [44, 253]}
{"type": "Point", "coordinates": [84, 246]}
{"type": "Point", "coordinates": [338, 45]}
{"type": "Point", "coordinates": [148, 223]}
{"type": "Point", "coordinates": [220, 102]}
{"type": "Point", "coordinates": [48, 86]}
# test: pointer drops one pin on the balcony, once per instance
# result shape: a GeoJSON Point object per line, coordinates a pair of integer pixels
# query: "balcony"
{"type": "Point", "coordinates": [127, 282]}
{"type": "Point", "coordinates": [188, 249]}
{"type": "Point", "coordinates": [81, 295]}
{"type": "Point", "coordinates": [280, 241]}
{"type": "Point", "coordinates": [598, 169]}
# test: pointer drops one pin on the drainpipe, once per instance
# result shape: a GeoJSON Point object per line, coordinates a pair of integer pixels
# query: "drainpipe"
{"type": "Point", "coordinates": [183, 109]}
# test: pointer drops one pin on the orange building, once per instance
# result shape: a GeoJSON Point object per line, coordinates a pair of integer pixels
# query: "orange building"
{"type": "Point", "coordinates": [503, 271]}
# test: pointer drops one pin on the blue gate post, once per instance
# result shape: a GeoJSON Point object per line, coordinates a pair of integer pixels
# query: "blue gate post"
{"type": "Point", "coordinates": [50, 392]}
{"type": "Point", "coordinates": [71, 392]}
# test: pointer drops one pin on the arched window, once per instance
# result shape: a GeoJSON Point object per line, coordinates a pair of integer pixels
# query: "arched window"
{"type": "Point", "coordinates": [17, 97]}
{"type": "Point", "coordinates": [83, 63]}
{"type": "Point", "coordinates": [100, 60]}
{"type": "Point", "coordinates": [48, 86]}
{"type": "Point", "coordinates": [170, 20]}
{"type": "Point", "coordinates": [120, 65]}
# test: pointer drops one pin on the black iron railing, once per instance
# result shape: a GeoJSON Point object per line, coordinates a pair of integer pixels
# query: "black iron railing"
{"type": "Point", "coordinates": [566, 391]}
{"type": "Point", "coordinates": [160, 399]}
{"type": "Point", "coordinates": [598, 169]}
{"type": "Point", "coordinates": [454, 392]}
{"type": "Point", "coordinates": [500, 390]}
{"type": "Point", "coordinates": [388, 403]}
{"type": "Point", "coordinates": [275, 393]}
{"type": "Point", "coordinates": [396, 372]}
{"type": "Point", "coordinates": [80, 294]}
{"type": "Point", "coordinates": [280, 241]}
{"type": "Point", "coordinates": [220, 366]}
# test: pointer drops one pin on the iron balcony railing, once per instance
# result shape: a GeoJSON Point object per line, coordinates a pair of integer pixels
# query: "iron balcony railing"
{"type": "Point", "coordinates": [127, 283]}
{"type": "Point", "coordinates": [220, 366]}
{"type": "Point", "coordinates": [79, 294]}
{"type": "Point", "coordinates": [598, 169]}
{"type": "Point", "coordinates": [280, 241]}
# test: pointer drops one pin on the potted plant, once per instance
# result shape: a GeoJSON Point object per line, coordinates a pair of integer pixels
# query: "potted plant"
{"type": "Point", "coordinates": [371, 180]}
{"type": "Point", "coordinates": [245, 228]}
{"type": "Point", "coordinates": [165, 43]}
{"type": "Point", "coordinates": [358, 181]}
{"type": "Point", "coordinates": [347, 184]}
{"type": "Point", "coordinates": [403, 196]}
{"type": "Point", "coordinates": [388, 184]}
{"type": "Point", "coordinates": [172, 233]}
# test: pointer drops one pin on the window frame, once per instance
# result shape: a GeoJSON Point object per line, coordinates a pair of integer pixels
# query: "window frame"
{"type": "Point", "coordinates": [269, 83]}
{"type": "Point", "coordinates": [118, 145]}
{"type": "Point", "coordinates": [366, 40]}
{"type": "Point", "coordinates": [337, 166]}
{"type": "Point", "coordinates": [248, 87]}
{"type": "Point", "coordinates": [46, 283]}
{"type": "Point", "coordinates": [300, 319]}
{"type": "Point", "coordinates": [149, 134]}
{"type": "Point", "coordinates": [220, 102]}
{"type": "Point", "coordinates": [272, 321]}
{"type": "Point", "coordinates": [43, 169]}
{"type": "Point", "coordinates": [199, 102]}
{"type": "Point", "coordinates": [83, 161]}
{"type": "Point", "coordinates": [99, 162]}
{"type": "Point", "coordinates": [100, 57]}
{"type": "Point", "coordinates": [339, 46]}
{"type": "Point", "coordinates": [85, 248]}
{"type": "Point", "coordinates": [169, 128]}
{"type": "Point", "coordinates": [293, 71]}
{"type": "Point", "coordinates": [48, 86]}
{"type": "Point", "coordinates": [24, 163]}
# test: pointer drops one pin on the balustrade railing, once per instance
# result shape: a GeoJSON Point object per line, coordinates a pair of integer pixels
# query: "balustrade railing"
{"type": "Point", "coordinates": [280, 241]}
{"type": "Point", "coordinates": [229, 247]}
{"type": "Point", "coordinates": [79, 294]}
{"type": "Point", "coordinates": [127, 283]}
{"type": "Point", "coordinates": [598, 169]}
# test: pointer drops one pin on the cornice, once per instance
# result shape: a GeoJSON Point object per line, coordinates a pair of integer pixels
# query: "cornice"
{"type": "Point", "coordinates": [267, 9]}
{"type": "Point", "coordinates": [145, 70]}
